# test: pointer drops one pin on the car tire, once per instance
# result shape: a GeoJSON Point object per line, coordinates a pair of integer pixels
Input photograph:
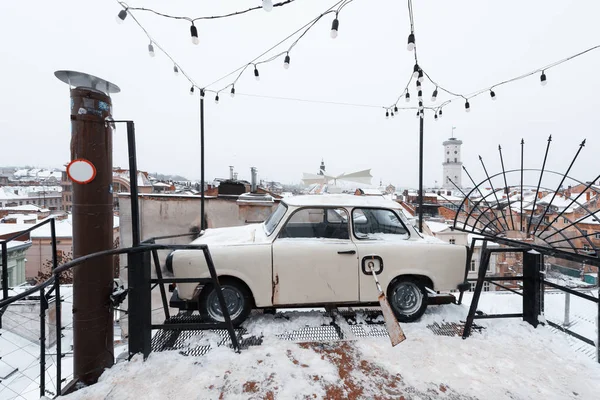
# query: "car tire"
{"type": "Point", "coordinates": [237, 297]}
{"type": "Point", "coordinates": [408, 299]}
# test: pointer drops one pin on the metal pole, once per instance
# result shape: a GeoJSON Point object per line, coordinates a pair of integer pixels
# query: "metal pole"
{"type": "Point", "coordinates": [140, 301]}
{"type": "Point", "coordinates": [566, 322]}
{"type": "Point", "coordinates": [4, 271]}
{"type": "Point", "coordinates": [43, 307]}
{"type": "Point", "coordinates": [202, 222]}
{"type": "Point", "coordinates": [135, 207]}
{"type": "Point", "coordinates": [58, 309]}
{"type": "Point", "coordinates": [421, 173]}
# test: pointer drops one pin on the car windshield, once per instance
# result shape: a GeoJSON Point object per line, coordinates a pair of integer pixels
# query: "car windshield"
{"type": "Point", "coordinates": [273, 220]}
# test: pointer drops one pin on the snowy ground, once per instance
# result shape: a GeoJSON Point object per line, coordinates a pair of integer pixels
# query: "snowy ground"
{"type": "Point", "coordinates": [508, 359]}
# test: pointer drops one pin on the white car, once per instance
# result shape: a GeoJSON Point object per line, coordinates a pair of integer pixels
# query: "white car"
{"type": "Point", "coordinates": [315, 251]}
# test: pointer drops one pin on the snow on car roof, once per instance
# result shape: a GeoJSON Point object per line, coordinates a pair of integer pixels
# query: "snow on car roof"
{"type": "Point", "coordinates": [347, 200]}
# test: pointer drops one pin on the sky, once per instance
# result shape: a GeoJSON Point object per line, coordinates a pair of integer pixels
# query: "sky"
{"type": "Point", "coordinates": [463, 45]}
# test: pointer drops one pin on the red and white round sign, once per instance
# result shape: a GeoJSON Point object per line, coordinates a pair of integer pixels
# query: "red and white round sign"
{"type": "Point", "coordinates": [81, 171]}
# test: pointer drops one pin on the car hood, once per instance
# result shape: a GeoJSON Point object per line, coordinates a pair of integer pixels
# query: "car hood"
{"type": "Point", "coordinates": [235, 235]}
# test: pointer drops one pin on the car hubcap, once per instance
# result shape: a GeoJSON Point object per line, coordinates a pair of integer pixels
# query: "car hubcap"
{"type": "Point", "coordinates": [233, 299]}
{"type": "Point", "coordinates": [407, 298]}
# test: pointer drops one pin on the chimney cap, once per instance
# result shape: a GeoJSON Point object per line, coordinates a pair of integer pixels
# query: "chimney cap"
{"type": "Point", "coordinates": [81, 79]}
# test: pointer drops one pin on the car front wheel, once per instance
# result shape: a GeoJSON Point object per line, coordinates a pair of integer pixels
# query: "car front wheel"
{"type": "Point", "coordinates": [408, 299]}
{"type": "Point", "coordinates": [237, 298]}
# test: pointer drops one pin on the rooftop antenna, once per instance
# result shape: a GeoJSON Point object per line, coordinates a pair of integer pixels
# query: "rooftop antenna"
{"type": "Point", "coordinates": [452, 136]}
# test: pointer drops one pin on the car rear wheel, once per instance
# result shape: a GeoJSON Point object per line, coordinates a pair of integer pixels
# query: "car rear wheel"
{"type": "Point", "coordinates": [237, 298]}
{"type": "Point", "coordinates": [408, 299]}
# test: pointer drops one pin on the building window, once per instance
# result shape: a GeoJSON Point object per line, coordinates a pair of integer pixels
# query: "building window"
{"type": "Point", "coordinates": [455, 152]}
{"type": "Point", "coordinates": [452, 241]}
{"type": "Point", "coordinates": [472, 268]}
{"type": "Point", "coordinates": [584, 232]}
{"type": "Point", "coordinates": [472, 289]}
{"type": "Point", "coordinates": [455, 159]}
{"type": "Point", "coordinates": [586, 247]}
{"type": "Point", "coordinates": [597, 235]}
{"type": "Point", "coordinates": [447, 160]}
{"type": "Point", "coordinates": [486, 286]}
{"type": "Point", "coordinates": [565, 221]}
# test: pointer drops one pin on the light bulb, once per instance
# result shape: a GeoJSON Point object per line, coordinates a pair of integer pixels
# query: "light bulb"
{"type": "Point", "coordinates": [217, 99]}
{"type": "Point", "coordinates": [411, 42]}
{"type": "Point", "coordinates": [440, 113]}
{"type": "Point", "coordinates": [256, 75]}
{"type": "Point", "coordinates": [232, 91]}
{"type": "Point", "coordinates": [422, 114]}
{"type": "Point", "coordinates": [434, 95]}
{"type": "Point", "coordinates": [202, 93]}
{"type": "Point", "coordinates": [175, 70]}
{"type": "Point", "coordinates": [194, 33]}
{"type": "Point", "coordinates": [121, 17]}
{"type": "Point", "coordinates": [387, 114]}
{"type": "Point", "coordinates": [334, 28]}
{"type": "Point", "coordinates": [420, 96]}
{"type": "Point", "coordinates": [392, 114]}
{"type": "Point", "coordinates": [286, 62]}
{"type": "Point", "coordinates": [418, 114]}
{"type": "Point", "coordinates": [492, 95]}
{"type": "Point", "coordinates": [267, 5]}
{"type": "Point", "coordinates": [467, 106]}
{"type": "Point", "coordinates": [435, 116]}
{"type": "Point", "coordinates": [407, 97]}
{"type": "Point", "coordinates": [543, 80]}
{"type": "Point", "coordinates": [151, 50]}
{"type": "Point", "coordinates": [395, 109]}
{"type": "Point", "coordinates": [191, 90]}
{"type": "Point", "coordinates": [421, 76]}
{"type": "Point", "coordinates": [416, 70]}
{"type": "Point", "coordinates": [420, 106]}
{"type": "Point", "coordinates": [418, 85]}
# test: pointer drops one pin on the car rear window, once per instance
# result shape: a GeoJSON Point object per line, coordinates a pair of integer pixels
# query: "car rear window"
{"type": "Point", "coordinates": [378, 224]}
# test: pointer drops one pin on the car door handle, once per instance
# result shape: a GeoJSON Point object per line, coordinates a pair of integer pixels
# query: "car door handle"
{"type": "Point", "coordinates": [347, 252]}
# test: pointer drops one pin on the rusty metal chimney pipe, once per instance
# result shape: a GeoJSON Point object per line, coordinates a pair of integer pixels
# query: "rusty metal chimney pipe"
{"type": "Point", "coordinates": [91, 146]}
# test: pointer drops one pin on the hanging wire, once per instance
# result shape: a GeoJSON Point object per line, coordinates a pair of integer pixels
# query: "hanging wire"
{"type": "Point", "coordinates": [190, 19]}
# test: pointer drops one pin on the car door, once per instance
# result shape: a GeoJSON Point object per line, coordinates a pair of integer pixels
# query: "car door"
{"type": "Point", "coordinates": [381, 241]}
{"type": "Point", "coordinates": [314, 260]}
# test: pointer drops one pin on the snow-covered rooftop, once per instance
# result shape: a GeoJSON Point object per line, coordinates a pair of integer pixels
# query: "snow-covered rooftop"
{"type": "Point", "coordinates": [26, 207]}
{"type": "Point", "coordinates": [437, 227]}
{"type": "Point", "coordinates": [507, 359]}
{"type": "Point", "coordinates": [341, 200]}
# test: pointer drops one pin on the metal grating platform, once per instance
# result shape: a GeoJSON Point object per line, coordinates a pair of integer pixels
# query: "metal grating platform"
{"type": "Point", "coordinates": [345, 325]}
{"type": "Point", "coordinates": [451, 328]}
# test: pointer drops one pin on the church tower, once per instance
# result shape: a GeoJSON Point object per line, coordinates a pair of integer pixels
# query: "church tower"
{"type": "Point", "coordinates": [322, 168]}
{"type": "Point", "coordinates": [452, 164]}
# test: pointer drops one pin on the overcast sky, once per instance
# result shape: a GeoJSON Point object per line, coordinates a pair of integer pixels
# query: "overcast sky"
{"type": "Point", "coordinates": [464, 45]}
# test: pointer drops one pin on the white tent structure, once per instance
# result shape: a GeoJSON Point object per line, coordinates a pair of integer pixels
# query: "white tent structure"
{"type": "Point", "coordinates": [363, 177]}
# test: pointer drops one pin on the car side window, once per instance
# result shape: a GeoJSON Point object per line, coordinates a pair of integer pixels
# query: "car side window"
{"type": "Point", "coordinates": [378, 224]}
{"type": "Point", "coordinates": [324, 223]}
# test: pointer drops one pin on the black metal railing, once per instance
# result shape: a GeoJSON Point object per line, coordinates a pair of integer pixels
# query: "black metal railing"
{"type": "Point", "coordinates": [139, 296]}
{"type": "Point", "coordinates": [533, 288]}
{"type": "Point", "coordinates": [44, 298]}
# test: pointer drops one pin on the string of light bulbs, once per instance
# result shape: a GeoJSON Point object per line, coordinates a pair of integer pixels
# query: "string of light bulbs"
{"type": "Point", "coordinates": [337, 7]}
{"type": "Point", "coordinates": [418, 74]}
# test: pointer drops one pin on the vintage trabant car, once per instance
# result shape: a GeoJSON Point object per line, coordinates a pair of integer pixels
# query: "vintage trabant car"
{"type": "Point", "coordinates": [318, 250]}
